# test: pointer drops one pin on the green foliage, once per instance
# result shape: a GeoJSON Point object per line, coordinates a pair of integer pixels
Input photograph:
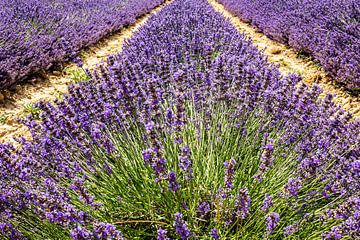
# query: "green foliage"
{"type": "Point", "coordinates": [78, 75]}
{"type": "Point", "coordinates": [29, 108]}
{"type": "Point", "coordinates": [3, 118]}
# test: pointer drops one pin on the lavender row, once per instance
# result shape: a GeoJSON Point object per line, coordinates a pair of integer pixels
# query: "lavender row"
{"type": "Point", "coordinates": [36, 34]}
{"type": "Point", "coordinates": [188, 133]}
{"type": "Point", "coordinates": [327, 30]}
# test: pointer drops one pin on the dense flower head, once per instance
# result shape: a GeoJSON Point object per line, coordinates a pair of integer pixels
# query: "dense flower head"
{"type": "Point", "coordinates": [214, 234]}
{"type": "Point", "coordinates": [181, 226]}
{"type": "Point", "coordinates": [267, 203]}
{"type": "Point", "coordinates": [162, 234]}
{"type": "Point", "coordinates": [242, 203]}
{"type": "Point", "coordinates": [272, 220]}
{"type": "Point", "coordinates": [229, 173]}
{"type": "Point", "coordinates": [187, 92]}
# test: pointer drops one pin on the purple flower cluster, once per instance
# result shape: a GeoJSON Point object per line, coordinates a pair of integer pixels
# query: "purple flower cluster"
{"type": "Point", "coordinates": [214, 234]}
{"type": "Point", "coordinates": [267, 203]}
{"type": "Point", "coordinates": [187, 58]}
{"type": "Point", "coordinates": [272, 220]}
{"type": "Point", "coordinates": [328, 30]}
{"type": "Point", "coordinates": [229, 174]}
{"type": "Point", "coordinates": [181, 227]}
{"type": "Point", "coordinates": [185, 162]}
{"type": "Point", "coordinates": [162, 234]}
{"type": "Point", "coordinates": [242, 203]}
{"type": "Point", "coordinates": [266, 160]}
{"type": "Point", "coordinates": [36, 34]}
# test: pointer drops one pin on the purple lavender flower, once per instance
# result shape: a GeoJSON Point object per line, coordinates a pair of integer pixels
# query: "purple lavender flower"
{"type": "Point", "coordinates": [242, 203]}
{"type": "Point", "coordinates": [80, 233]}
{"type": "Point", "coordinates": [267, 203]}
{"type": "Point", "coordinates": [106, 231]}
{"type": "Point", "coordinates": [266, 160]}
{"type": "Point", "coordinates": [204, 209]}
{"type": "Point", "coordinates": [185, 162]}
{"type": "Point", "coordinates": [162, 234]}
{"type": "Point", "coordinates": [214, 234]}
{"type": "Point", "coordinates": [181, 226]}
{"type": "Point", "coordinates": [272, 220]}
{"type": "Point", "coordinates": [173, 185]}
{"type": "Point", "coordinates": [293, 186]}
{"type": "Point", "coordinates": [335, 233]}
{"type": "Point", "coordinates": [289, 230]}
{"type": "Point", "coordinates": [229, 174]}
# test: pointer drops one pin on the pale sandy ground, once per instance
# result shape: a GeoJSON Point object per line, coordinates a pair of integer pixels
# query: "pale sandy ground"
{"type": "Point", "coordinates": [55, 84]}
{"type": "Point", "coordinates": [289, 62]}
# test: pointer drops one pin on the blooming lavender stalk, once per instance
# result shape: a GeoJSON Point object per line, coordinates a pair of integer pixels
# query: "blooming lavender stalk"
{"type": "Point", "coordinates": [292, 187]}
{"type": "Point", "coordinates": [181, 226]}
{"type": "Point", "coordinates": [214, 234]}
{"type": "Point", "coordinates": [173, 185]}
{"type": "Point", "coordinates": [267, 203]}
{"type": "Point", "coordinates": [272, 220]}
{"type": "Point", "coordinates": [204, 209]}
{"type": "Point", "coordinates": [266, 160]}
{"type": "Point", "coordinates": [185, 162]}
{"type": "Point", "coordinates": [242, 203]}
{"type": "Point", "coordinates": [162, 234]}
{"type": "Point", "coordinates": [229, 174]}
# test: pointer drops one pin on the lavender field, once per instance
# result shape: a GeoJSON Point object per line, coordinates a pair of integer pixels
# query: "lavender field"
{"type": "Point", "coordinates": [189, 132]}
{"type": "Point", "coordinates": [37, 34]}
{"type": "Point", "coordinates": [327, 30]}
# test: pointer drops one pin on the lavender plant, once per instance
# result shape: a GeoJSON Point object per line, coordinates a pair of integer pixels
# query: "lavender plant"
{"type": "Point", "coordinates": [327, 30]}
{"type": "Point", "coordinates": [38, 34]}
{"type": "Point", "coordinates": [188, 133]}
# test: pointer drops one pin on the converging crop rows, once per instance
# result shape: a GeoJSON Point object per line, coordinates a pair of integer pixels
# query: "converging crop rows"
{"type": "Point", "coordinates": [187, 133]}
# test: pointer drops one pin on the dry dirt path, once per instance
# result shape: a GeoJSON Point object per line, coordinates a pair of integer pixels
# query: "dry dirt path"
{"type": "Point", "coordinates": [289, 62]}
{"type": "Point", "coordinates": [18, 102]}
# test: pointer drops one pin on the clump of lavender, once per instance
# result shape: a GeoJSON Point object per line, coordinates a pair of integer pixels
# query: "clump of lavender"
{"type": "Point", "coordinates": [204, 209]}
{"type": "Point", "coordinates": [293, 186]}
{"type": "Point", "coordinates": [173, 185]}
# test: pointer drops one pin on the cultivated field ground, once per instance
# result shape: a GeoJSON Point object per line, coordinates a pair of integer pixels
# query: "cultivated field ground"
{"type": "Point", "coordinates": [180, 119]}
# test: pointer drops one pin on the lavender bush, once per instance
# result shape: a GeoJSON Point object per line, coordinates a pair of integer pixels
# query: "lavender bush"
{"type": "Point", "coordinates": [328, 30]}
{"type": "Point", "coordinates": [36, 34]}
{"type": "Point", "coordinates": [188, 133]}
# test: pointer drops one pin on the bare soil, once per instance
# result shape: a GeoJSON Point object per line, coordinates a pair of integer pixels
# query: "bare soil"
{"type": "Point", "coordinates": [53, 85]}
{"type": "Point", "coordinates": [289, 61]}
